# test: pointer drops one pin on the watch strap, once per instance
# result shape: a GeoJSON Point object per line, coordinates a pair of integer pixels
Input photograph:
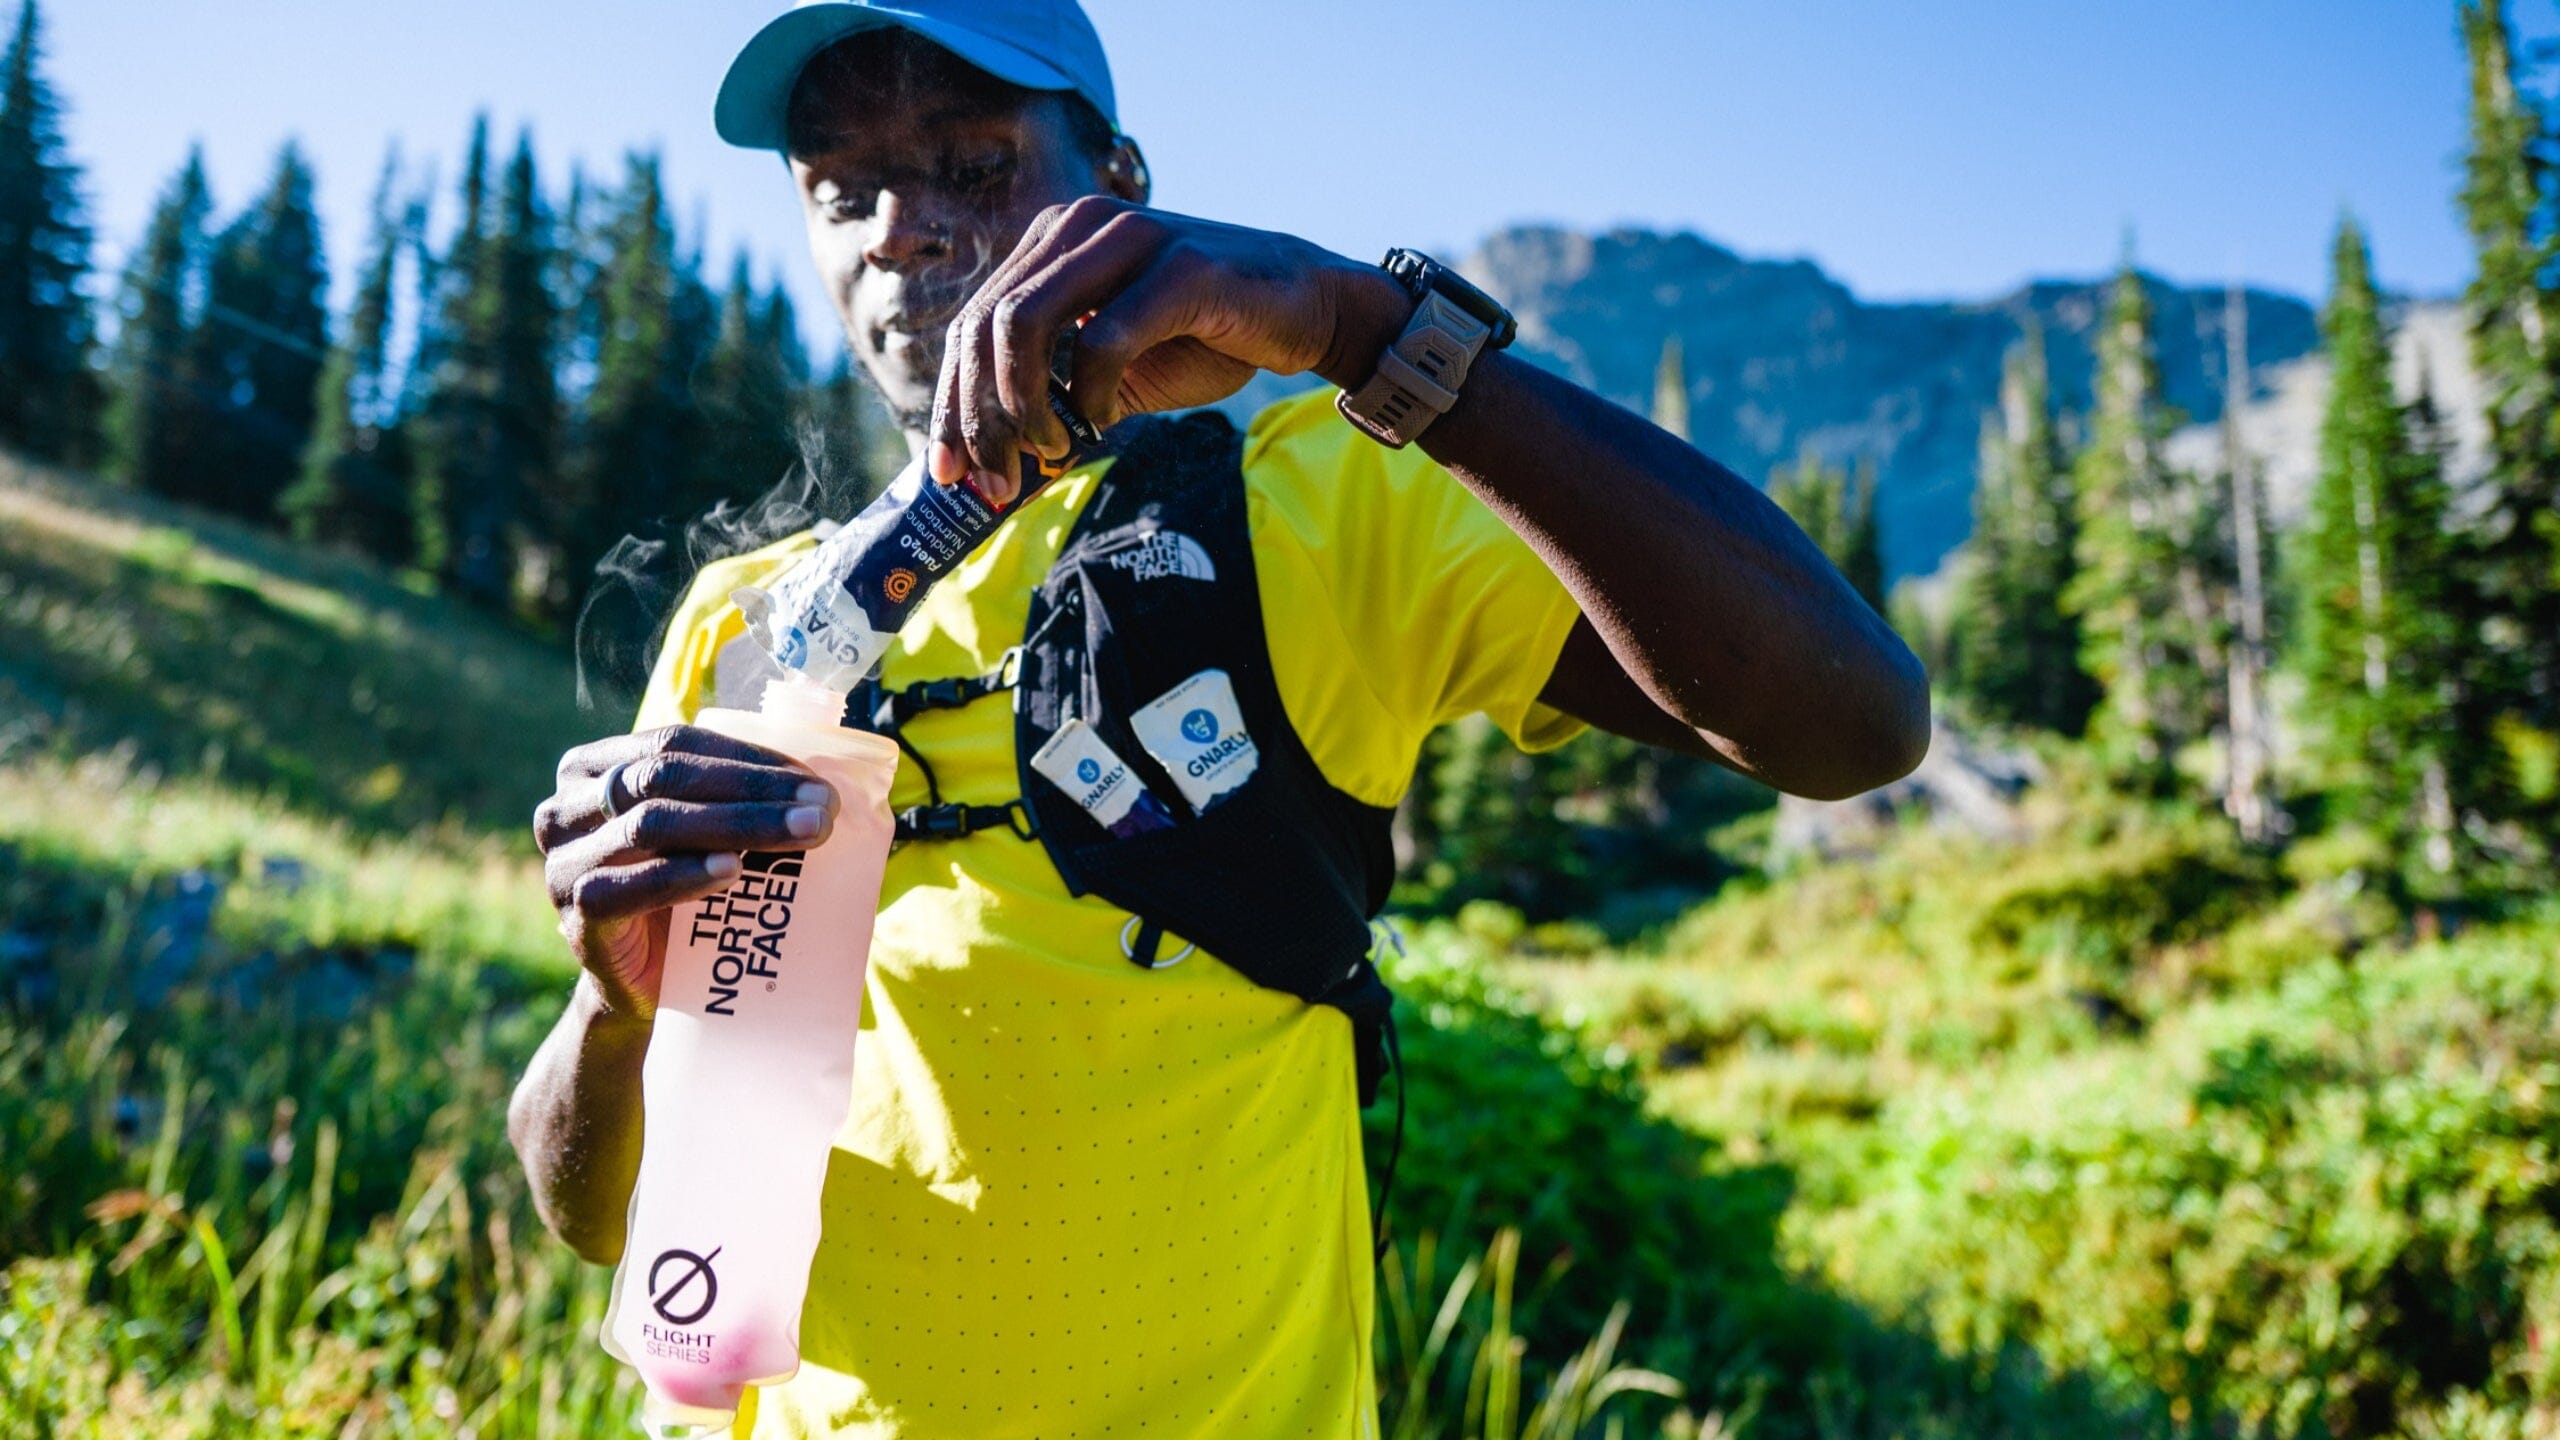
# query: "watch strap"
{"type": "Point", "coordinates": [1418, 377]}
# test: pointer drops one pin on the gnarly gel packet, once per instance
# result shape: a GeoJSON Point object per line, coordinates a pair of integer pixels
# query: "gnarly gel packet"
{"type": "Point", "coordinates": [834, 614]}
{"type": "Point", "coordinates": [1077, 761]}
{"type": "Point", "coordinates": [1196, 733]}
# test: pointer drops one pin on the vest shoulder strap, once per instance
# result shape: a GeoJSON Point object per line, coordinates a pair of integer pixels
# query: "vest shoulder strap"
{"type": "Point", "coordinates": [1154, 584]}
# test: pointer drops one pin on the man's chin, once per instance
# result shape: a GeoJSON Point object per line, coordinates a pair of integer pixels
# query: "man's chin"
{"type": "Point", "coordinates": [913, 420]}
{"type": "Point", "coordinates": [905, 384]}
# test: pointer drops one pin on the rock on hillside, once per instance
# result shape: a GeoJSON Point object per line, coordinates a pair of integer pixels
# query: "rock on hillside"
{"type": "Point", "coordinates": [1780, 357]}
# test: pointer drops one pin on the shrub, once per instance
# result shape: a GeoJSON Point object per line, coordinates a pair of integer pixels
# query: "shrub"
{"type": "Point", "coordinates": [2333, 1209]}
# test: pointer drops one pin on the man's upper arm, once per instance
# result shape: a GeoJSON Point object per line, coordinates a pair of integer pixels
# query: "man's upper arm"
{"type": "Point", "coordinates": [1439, 607]}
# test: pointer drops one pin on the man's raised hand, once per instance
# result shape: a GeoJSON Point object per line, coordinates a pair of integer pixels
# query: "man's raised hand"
{"type": "Point", "coordinates": [1177, 312]}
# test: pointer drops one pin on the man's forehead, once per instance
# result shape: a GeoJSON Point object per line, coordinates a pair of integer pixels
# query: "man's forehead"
{"type": "Point", "coordinates": [891, 79]}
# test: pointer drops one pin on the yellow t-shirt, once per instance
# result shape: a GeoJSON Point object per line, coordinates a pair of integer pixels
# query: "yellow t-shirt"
{"type": "Point", "coordinates": [1078, 1198]}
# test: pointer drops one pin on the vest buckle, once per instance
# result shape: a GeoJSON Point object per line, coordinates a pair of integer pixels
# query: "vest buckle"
{"type": "Point", "coordinates": [940, 822]}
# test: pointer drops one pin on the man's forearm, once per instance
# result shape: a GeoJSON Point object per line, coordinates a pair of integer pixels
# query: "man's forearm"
{"type": "Point", "coordinates": [1709, 598]}
{"type": "Point", "coordinates": [575, 1123]}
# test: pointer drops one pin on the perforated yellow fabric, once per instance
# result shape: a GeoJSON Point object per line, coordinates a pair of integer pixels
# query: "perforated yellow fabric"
{"type": "Point", "coordinates": [1077, 1198]}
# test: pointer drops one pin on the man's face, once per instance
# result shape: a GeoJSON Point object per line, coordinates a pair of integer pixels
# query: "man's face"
{"type": "Point", "coordinates": [917, 174]}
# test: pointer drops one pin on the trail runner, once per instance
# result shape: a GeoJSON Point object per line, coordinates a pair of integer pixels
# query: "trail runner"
{"type": "Point", "coordinates": [1081, 1196]}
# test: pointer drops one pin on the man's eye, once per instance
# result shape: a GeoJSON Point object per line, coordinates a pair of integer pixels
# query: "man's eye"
{"type": "Point", "coordinates": [977, 172]}
{"type": "Point", "coordinates": [842, 202]}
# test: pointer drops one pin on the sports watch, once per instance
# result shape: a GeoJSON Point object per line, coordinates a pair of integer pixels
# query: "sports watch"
{"type": "Point", "coordinates": [1419, 375]}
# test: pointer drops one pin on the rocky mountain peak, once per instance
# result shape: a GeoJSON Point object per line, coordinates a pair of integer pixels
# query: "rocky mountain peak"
{"type": "Point", "coordinates": [1781, 357]}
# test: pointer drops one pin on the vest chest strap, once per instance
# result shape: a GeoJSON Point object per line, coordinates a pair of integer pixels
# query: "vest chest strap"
{"type": "Point", "coordinates": [890, 710]}
{"type": "Point", "coordinates": [894, 708]}
{"type": "Point", "coordinates": [953, 820]}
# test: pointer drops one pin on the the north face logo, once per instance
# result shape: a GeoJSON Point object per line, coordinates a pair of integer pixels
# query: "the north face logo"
{"type": "Point", "coordinates": [1159, 553]}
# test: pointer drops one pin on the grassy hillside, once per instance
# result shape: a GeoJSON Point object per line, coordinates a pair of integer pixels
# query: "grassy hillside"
{"type": "Point", "coordinates": [272, 947]}
{"type": "Point", "coordinates": [191, 645]}
{"type": "Point", "coordinates": [2121, 1131]}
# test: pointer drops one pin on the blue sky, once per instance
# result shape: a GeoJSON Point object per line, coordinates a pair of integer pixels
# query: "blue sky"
{"type": "Point", "coordinates": [1915, 148]}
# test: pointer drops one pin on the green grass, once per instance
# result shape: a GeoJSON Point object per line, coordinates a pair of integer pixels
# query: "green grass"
{"type": "Point", "coordinates": [272, 948]}
{"type": "Point", "coordinates": [198, 646]}
{"type": "Point", "coordinates": [253, 1073]}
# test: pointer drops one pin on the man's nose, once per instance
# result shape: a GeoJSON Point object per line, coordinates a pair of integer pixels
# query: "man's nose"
{"type": "Point", "coordinates": [904, 233]}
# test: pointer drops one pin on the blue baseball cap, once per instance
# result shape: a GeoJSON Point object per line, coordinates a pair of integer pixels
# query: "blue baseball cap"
{"type": "Point", "coordinates": [1037, 44]}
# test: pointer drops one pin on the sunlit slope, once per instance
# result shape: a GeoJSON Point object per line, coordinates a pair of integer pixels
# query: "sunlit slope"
{"type": "Point", "coordinates": [197, 646]}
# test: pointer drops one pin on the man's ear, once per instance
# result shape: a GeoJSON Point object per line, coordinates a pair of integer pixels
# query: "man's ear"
{"type": "Point", "coordinates": [1124, 172]}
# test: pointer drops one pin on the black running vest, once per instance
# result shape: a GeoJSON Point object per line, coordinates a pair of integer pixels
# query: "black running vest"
{"type": "Point", "coordinates": [1154, 584]}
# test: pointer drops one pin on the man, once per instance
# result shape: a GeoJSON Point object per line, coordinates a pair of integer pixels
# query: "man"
{"type": "Point", "coordinates": [1079, 1196]}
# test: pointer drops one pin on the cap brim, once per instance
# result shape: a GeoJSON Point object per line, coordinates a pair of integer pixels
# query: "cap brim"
{"type": "Point", "coordinates": [754, 104]}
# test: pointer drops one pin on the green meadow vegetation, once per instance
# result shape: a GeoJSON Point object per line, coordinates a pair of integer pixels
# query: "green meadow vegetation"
{"type": "Point", "coordinates": [2219, 1099]}
{"type": "Point", "coordinates": [2123, 1129]}
{"type": "Point", "coordinates": [2234, 1146]}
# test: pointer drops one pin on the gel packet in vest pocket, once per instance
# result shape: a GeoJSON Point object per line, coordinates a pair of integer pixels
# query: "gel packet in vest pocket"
{"type": "Point", "coordinates": [1196, 733]}
{"type": "Point", "coordinates": [1076, 761]}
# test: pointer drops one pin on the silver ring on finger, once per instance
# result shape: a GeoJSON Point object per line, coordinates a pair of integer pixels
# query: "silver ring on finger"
{"type": "Point", "coordinates": [614, 804]}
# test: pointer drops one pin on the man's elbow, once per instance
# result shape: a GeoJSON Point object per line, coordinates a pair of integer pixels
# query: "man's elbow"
{"type": "Point", "coordinates": [595, 1244]}
{"type": "Point", "coordinates": [1880, 741]}
{"type": "Point", "coordinates": [596, 1240]}
{"type": "Point", "coordinates": [1896, 729]}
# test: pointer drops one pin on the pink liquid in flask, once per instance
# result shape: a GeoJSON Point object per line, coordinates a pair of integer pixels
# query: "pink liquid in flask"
{"type": "Point", "coordinates": [748, 1079]}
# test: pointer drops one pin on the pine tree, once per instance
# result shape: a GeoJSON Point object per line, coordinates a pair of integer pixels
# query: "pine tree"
{"type": "Point", "coordinates": [2129, 551]}
{"type": "Point", "coordinates": [159, 413]}
{"type": "Point", "coordinates": [2248, 780]}
{"type": "Point", "coordinates": [525, 336]}
{"type": "Point", "coordinates": [260, 348]}
{"type": "Point", "coordinates": [2017, 648]}
{"type": "Point", "coordinates": [49, 396]}
{"type": "Point", "coordinates": [745, 390]}
{"type": "Point", "coordinates": [1837, 508]}
{"type": "Point", "coordinates": [352, 491]}
{"type": "Point", "coordinates": [1671, 389]}
{"type": "Point", "coordinates": [693, 332]}
{"type": "Point", "coordinates": [636, 418]}
{"type": "Point", "coordinates": [778, 331]}
{"type": "Point", "coordinates": [491, 423]}
{"type": "Point", "coordinates": [449, 358]}
{"type": "Point", "coordinates": [2442, 658]}
{"type": "Point", "coordinates": [2375, 647]}
{"type": "Point", "coordinates": [561, 510]}
{"type": "Point", "coordinates": [2512, 565]}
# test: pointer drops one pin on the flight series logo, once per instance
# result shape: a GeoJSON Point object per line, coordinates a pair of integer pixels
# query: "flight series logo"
{"type": "Point", "coordinates": [676, 1277]}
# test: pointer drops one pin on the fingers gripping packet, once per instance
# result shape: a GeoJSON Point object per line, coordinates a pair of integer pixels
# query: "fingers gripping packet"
{"type": "Point", "coordinates": [1197, 734]}
{"type": "Point", "coordinates": [1078, 762]}
{"type": "Point", "coordinates": [834, 614]}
